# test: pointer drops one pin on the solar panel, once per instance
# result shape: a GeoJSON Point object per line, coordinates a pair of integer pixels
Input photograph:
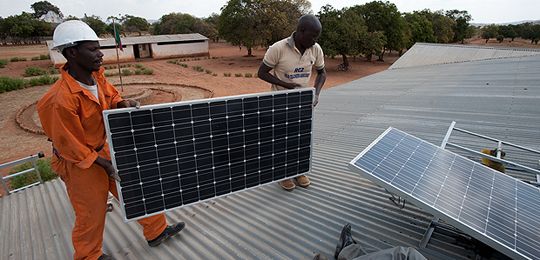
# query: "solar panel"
{"type": "Point", "coordinates": [495, 208]}
{"type": "Point", "coordinates": [176, 154]}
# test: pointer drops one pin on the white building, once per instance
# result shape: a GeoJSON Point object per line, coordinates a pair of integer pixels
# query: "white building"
{"type": "Point", "coordinates": [145, 47]}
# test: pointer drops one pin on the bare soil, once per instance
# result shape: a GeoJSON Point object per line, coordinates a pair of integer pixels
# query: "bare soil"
{"type": "Point", "coordinates": [190, 84]}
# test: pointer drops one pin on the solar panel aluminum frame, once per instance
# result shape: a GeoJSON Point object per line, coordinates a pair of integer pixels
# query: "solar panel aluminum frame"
{"type": "Point", "coordinates": [435, 212]}
{"type": "Point", "coordinates": [106, 113]}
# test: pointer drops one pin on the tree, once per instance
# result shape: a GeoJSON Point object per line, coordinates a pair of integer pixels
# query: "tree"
{"type": "Point", "coordinates": [490, 31]}
{"type": "Point", "coordinates": [384, 17]}
{"type": "Point", "coordinates": [373, 44]}
{"type": "Point", "coordinates": [135, 24]}
{"type": "Point", "coordinates": [442, 25]}
{"type": "Point", "coordinates": [24, 29]}
{"type": "Point", "coordinates": [421, 28]}
{"type": "Point", "coordinates": [461, 28]}
{"type": "Point", "coordinates": [240, 24]}
{"type": "Point", "coordinates": [252, 23]}
{"type": "Point", "coordinates": [175, 23]}
{"type": "Point", "coordinates": [281, 17]}
{"type": "Point", "coordinates": [96, 24]}
{"type": "Point", "coordinates": [213, 21]}
{"type": "Point", "coordinates": [43, 7]}
{"type": "Point", "coordinates": [508, 31]}
{"type": "Point", "coordinates": [342, 34]}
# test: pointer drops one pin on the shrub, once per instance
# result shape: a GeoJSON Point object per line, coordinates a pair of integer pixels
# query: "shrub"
{"type": "Point", "coordinates": [126, 72]}
{"type": "Point", "coordinates": [3, 63]}
{"type": "Point", "coordinates": [198, 68]}
{"type": "Point", "coordinates": [214, 74]}
{"type": "Point", "coordinates": [183, 65]}
{"type": "Point", "coordinates": [15, 59]}
{"type": "Point", "coordinates": [44, 57]}
{"type": "Point", "coordinates": [35, 58]}
{"type": "Point", "coordinates": [172, 61]}
{"type": "Point", "coordinates": [139, 66]}
{"type": "Point", "coordinates": [34, 71]}
{"type": "Point", "coordinates": [9, 84]}
{"type": "Point", "coordinates": [45, 170]}
{"type": "Point", "coordinates": [43, 80]}
{"type": "Point", "coordinates": [248, 75]}
{"type": "Point", "coordinates": [208, 71]}
{"type": "Point", "coordinates": [238, 75]}
{"type": "Point", "coordinates": [52, 70]}
{"type": "Point", "coordinates": [109, 74]}
{"type": "Point", "coordinates": [147, 71]}
{"type": "Point", "coordinates": [226, 74]}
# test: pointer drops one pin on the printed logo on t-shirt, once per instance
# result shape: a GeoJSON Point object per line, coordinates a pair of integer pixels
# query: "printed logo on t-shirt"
{"type": "Point", "coordinates": [298, 73]}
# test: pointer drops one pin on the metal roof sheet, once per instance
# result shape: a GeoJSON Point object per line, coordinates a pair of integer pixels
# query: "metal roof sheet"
{"type": "Point", "coordinates": [150, 39]}
{"type": "Point", "coordinates": [424, 54]}
{"type": "Point", "coordinates": [270, 223]}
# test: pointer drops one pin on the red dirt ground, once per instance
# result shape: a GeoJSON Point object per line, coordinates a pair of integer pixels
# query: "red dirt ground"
{"type": "Point", "coordinates": [16, 143]}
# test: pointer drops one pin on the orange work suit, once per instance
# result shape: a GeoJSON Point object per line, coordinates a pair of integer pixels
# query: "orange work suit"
{"type": "Point", "coordinates": [72, 118]}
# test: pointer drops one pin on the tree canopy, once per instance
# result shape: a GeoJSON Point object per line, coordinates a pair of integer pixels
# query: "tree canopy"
{"type": "Point", "coordinates": [384, 17]}
{"type": "Point", "coordinates": [96, 24]}
{"type": "Point", "coordinates": [135, 24]}
{"type": "Point", "coordinates": [336, 24]}
{"type": "Point", "coordinates": [43, 7]}
{"type": "Point", "coordinates": [252, 23]}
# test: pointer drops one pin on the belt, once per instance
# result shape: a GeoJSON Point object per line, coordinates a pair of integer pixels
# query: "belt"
{"type": "Point", "coordinates": [57, 154]}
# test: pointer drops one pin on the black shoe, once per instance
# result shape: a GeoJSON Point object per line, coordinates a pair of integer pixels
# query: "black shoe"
{"type": "Point", "coordinates": [166, 234]}
{"type": "Point", "coordinates": [345, 239]}
{"type": "Point", "coordinates": [105, 257]}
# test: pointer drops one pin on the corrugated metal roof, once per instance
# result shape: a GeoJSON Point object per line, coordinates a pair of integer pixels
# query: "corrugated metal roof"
{"type": "Point", "coordinates": [150, 39]}
{"type": "Point", "coordinates": [422, 54]}
{"type": "Point", "coordinates": [269, 223]}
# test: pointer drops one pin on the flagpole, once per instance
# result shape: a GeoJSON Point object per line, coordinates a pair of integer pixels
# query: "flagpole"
{"type": "Point", "coordinates": [117, 56]}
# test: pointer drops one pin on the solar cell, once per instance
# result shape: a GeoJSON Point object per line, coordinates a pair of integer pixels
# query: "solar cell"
{"type": "Point", "coordinates": [176, 154]}
{"type": "Point", "coordinates": [495, 208]}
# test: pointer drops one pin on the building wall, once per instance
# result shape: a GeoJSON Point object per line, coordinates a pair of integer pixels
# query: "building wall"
{"type": "Point", "coordinates": [109, 56]}
{"type": "Point", "coordinates": [179, 50]}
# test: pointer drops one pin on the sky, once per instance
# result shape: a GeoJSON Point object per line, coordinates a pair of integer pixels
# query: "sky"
{"type": "Point", "coordinates": [482, 11]}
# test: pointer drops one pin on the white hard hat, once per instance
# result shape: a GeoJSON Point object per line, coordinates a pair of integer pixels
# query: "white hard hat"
{"type": "Point", "coordinates": [70, 32]}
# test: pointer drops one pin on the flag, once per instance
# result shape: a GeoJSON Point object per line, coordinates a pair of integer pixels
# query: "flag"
{"type": "Point", "coordinates": [117, 37]}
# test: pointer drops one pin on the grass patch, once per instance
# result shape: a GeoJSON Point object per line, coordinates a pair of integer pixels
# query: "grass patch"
{"type": "Point", "coordinates": [238, 75]}
{"type": "Point", "coordinates": [16, 59]}
{"type": "Point", "coordinates": [44, 168]}
{"type": "Point", "coordinates": [3, 63]}
{"type": "Point", "coordinates": [226, 74]}
{"type": "Point", "coordinates": [208, 71]}
{"type": "Point", "coordinates": [248, 75]}
{"type": "Point", "coordinates": [198, 68]}
{"type": "Point", "coordinates": [10, 84]}
{"type": "Point", "coordinates": [34, 71]}
{"type": "Point", "coordinates": [214, 74]}
{"type": "Point", "coordinates": [52, 70]}
{"type": "Point", "coordinates": [43, 80]}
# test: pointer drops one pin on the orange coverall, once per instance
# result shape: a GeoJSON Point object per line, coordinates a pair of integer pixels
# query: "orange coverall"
{"type": "Point", "coordinates": [72, 118]}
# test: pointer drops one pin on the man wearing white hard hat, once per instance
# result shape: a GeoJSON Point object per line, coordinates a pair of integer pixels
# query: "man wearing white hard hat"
{"type": "Point", "coordinates": [71, 116]}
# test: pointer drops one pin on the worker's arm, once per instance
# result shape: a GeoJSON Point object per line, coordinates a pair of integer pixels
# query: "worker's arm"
{"type": "Point", "coordinates": [264, 74]}
{"type": "Point", "coordinates": [321, 72]}
{"type": "Point", "coordinates": [319, 83]}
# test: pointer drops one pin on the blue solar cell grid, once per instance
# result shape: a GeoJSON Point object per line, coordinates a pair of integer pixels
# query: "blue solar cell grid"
{"type": "Point", "coordinates": [177, 154]}
{"type": "Point", "coordinates": [494, 205]}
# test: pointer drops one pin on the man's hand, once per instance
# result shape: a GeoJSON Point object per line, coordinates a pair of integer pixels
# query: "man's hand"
{"type": "Point", "coordinates": [108, 167]}
{"type": "Point", "coordinates": [128, 103]}
{"type": "Point", "coordinates": [315, 100]}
